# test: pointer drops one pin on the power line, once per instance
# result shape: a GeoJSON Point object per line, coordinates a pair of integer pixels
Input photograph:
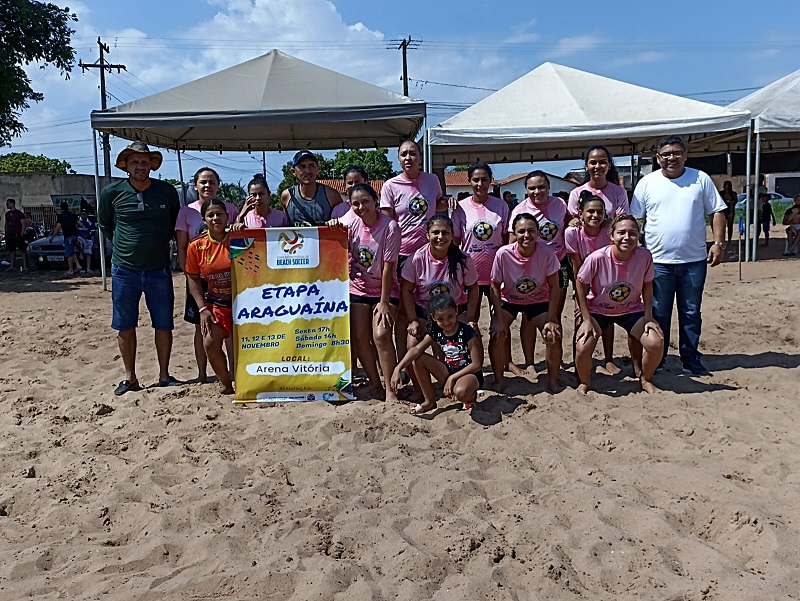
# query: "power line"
{"type": "Point", "coordinates": [451, 85]}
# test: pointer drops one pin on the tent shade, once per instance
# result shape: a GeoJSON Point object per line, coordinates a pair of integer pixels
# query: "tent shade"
{"type": "Point", "coordinates": [271, 102]}
{"type": "Point", "coordinates": [555, 112]}
{"type": "Point", "coordinates": [776, 107]}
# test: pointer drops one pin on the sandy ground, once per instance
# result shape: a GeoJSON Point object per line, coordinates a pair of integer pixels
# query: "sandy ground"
{"type": "Point", "coordinates": [175, 494]}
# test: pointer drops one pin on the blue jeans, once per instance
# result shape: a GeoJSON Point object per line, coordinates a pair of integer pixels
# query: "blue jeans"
{"type": "Point", "coordinates": [683, 282]}
{"type": "Point", "coordinates": [127, 287]}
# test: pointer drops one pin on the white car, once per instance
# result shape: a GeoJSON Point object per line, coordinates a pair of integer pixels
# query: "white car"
{"type": "Point", "coordinates": [774, 197]}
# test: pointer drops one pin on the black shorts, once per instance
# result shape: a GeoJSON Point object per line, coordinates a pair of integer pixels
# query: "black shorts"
{"type": "Point", "coordinates": [401, 260]}
{"type": "Point", "coordinates": [423, 314]}
{"type": "Point", "coordinates": [478, 375]}
{"type": "Point", "coordinates": [371, 300]}
{"type": "Point", "coordinates": [15, 242]}
{"type": "Point", "coordinates": [565, 273]}
{"type": "Point", "coordinates": [483, 289]}
{"type": "Point", "coordinates": [190, 312]}
{"type": "Point", "coordinates": [626, 322]}
{"type": "Point", "coordinates": [529, 311]}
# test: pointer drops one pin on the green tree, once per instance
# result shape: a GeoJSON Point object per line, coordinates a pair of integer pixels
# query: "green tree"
{"type": "Point", "coordinates": [234, 193]}
{"type": "Point", "coordinates": [32, 32]}
{"type": "Point", "coordinates": [22, 162]}
{"type": "Point", "coordinates": [459, 169]}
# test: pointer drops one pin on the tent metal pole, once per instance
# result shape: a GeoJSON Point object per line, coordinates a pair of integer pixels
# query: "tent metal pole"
{"type": "Point", "coordinates": [180, 175]}
{"type": "Point", "coordinates": [100, 237]}
{"type": "Point", "coordinates": [756, 199]}
{"type": "Point", "coordinates": [633, 177]}
{"type": "Point", "coordinates": [748, 189]}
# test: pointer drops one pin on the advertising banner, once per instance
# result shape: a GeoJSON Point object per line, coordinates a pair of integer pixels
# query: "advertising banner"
{"type": "Point", "coordinates": [291, 314]}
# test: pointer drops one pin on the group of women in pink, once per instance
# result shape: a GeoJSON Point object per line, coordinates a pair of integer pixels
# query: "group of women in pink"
{"type": "Point", "coordinates": [418, 274]}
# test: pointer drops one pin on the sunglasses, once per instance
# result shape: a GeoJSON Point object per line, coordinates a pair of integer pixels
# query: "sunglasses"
{"type": "Point", "coordinates": [140, 198]}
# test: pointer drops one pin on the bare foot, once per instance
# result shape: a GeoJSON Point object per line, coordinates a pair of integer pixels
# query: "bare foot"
{"type": "Point", "coordinates": [553, 386]}
{"type": "Point", "coordinates": [391, 397]}
{"type": "Point", "coordinates": [499, 384]}
{"type": "Point", "coordinates": [637, 370]}
{"type": "Point", "coordinates": [611, 368]}
{"type": "Point", "coordinates": [419, 409]}
{"type": "Point", "coordinates": [583, 388]}
{"type": "Point", "coordinates": [516, 370]}
{"type": "Point", "coordinates": [226, 389]}
{"type": "Point", "coordinates": [648, 386]}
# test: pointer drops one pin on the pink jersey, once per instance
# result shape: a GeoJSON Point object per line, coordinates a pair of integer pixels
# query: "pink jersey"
{"type": "Point", "coordinates": [339, 210]}
{"type": "Point", "coordinates": [432, 276]}
{"type": "Point", "coordinates": [523, 280]}
{"type": "Point", "coordinates": [577, 242]}
{"type": "Point", "coordinates": [550, 217]}
{"type": "Point", "coordinates": [615, 287]}
{"type": "Point", "coordinates": [370, 248]}
{"type": "Point", "coordinates": [414, 202]}
{"type": "Point", "coordinates": [190, 220]}
{"type": "Point", "coordinates": [274, 218]}
{"type": "Point", "coordinates": [615, 198]}
{"type": "Point", "coordinates": [480, 227]}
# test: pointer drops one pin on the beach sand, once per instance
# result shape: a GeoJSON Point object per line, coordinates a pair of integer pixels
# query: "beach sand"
{"type": "Point", "coordinates": [174, 494]}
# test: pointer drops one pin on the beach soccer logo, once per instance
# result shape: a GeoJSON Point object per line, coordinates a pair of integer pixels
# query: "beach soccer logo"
{"type": "Point", "coordinates": [366, 257]}
{"type": "Point", "coordinates": [482, 230]}
{"type": "Point", "coordinates": [548, 230]}
{"type": "Point", "coordinates": [418, 206]}
{"type": "Point", "coordinates": [525, 285]}
{"type": "Point", "coordinates": [291, 241]}
{"type": "Point", "coordinates": [437, 288]}
{"type": "Point", "coordinates": [620, 292]}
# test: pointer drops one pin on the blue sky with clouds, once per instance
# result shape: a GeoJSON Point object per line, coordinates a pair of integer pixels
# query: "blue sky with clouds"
{"type": "Point", "coordinates": [685, 48]}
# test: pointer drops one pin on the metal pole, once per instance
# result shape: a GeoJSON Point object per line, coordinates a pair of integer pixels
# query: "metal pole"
{"type": "Point", "coordinates": [747, 195]}
{"type": "Point", "coordinates": [633, 151]}
{"type": "Point", "coordinates": [756, 199]}
{"type": "Point", "coordinates": [404, 47]}
{"type": "Point", "coordinates": [100, 237]}
{"type": "Point", "coordinates": [180, 175]}
{"type": "Point", "coordinates": [264, 162]}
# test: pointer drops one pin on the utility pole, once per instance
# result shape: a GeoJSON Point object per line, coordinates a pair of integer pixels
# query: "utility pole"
{"type": "Point", "coordinates": [102, 65]}
{"type": "Point", "coordinates": [404, 47]}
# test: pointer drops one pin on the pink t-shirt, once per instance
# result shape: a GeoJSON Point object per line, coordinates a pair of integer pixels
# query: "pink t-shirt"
{"type": "Point", "coordinates": [615, 198]}
{"type": "Point", "coordinates": [432, 276]}
{"type": "Point", "coordinates": [523, 280]}
{"type": "Point", "coordinates": [615, 288]}
{"type": "Point", "coordinates": [577, 242]}
{"type": "Point", "coordinates": [339, 210]}
{"type": "Point", "coordinates": [370, 248]}
{"type": "Point", "coordinates": [274, 218]}
{"type": "Point", "coordinates": [550, 218]}
{"type": "Point", "coordinates": [414, 202]}
{"type": "Point", "coordinates": [480, 227]}
{"type": "Point", "coordinates": [190, 221]}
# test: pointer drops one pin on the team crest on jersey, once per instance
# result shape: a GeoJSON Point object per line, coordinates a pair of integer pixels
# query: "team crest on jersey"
{"type": "Point", "coordinates": [525, 285]}
{"type": "Point", "coordinates": [548, 230]}
{"type": "Point", "coordinates": [620, 292]}
{"type": "Point", "coordinates": [482, 230]}
{"type": "Point", "coordinates": [366, 257]}
{"type": "Point", "coordinates": [418, 206]}
{"type": "Point", "coordinates": [437, 288]}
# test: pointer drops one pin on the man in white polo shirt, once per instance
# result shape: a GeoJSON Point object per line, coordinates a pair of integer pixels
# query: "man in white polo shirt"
{"type": "Point", "coordinates": [675, 200]}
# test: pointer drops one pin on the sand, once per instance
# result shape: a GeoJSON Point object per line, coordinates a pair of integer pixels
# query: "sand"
{"type": "Point", "coordinates": [175, 494]}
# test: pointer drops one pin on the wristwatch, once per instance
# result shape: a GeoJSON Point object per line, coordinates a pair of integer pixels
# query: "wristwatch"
{"type": "Point", "coordinates": [720, 244]}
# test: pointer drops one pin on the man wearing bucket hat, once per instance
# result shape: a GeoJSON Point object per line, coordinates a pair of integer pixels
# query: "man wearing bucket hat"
{"type": "Point", "coordinates": [138, 215]}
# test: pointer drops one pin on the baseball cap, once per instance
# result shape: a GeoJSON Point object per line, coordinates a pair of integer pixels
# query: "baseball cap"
{"type": "Point", "coordinates": [302, 154]}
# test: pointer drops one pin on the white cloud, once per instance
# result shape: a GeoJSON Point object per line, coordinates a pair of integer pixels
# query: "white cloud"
{"type": "Point", "coordinates": [575, 44]}
{"type": "Point", "coordinates": [639, 58]}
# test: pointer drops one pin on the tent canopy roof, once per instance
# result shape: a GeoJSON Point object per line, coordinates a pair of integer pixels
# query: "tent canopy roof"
{"type": "Point", "coordinates": [271, 102]}
{"type": "Point", "coordinates": [776, 107]}
{"type": "Point", "coordinates": [555, 112]}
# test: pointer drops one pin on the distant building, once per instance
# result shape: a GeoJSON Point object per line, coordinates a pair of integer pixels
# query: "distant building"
{"type": "Point", "coordinates": [516, 185]}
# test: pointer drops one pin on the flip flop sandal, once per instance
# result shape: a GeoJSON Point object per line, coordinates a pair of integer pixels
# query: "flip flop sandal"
{"type": "Point", "coordinates": [127, 386]}
{"type": "Point", "coordinates": [170, 381]}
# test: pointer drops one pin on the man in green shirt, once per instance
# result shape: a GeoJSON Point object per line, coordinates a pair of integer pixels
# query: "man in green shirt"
{"type": "Point", "coordinates": [138, 216]}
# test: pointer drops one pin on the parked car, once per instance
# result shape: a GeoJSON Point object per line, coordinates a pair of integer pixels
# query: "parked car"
{"type": "Point", "coordinates": [43, 253]}
{"type": "Point", "coordinates": [774, 197]}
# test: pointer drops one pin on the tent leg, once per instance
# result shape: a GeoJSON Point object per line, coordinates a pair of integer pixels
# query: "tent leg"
{"type": "Point", "coordinates": [100, 237]}
{"type": "Point", "coordinates": [748, 189]}
{"type": "Point", "coordinates": [756, 206]}
{"type": "Point", "coordinates": [180, 176]}
{"type": "Point", "coordinates": [633, 177]}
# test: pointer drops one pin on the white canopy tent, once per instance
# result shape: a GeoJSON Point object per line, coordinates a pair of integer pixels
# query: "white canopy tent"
{"type": "Point", "coordinates": [273, 102]}
{"type": "Point", "coordinates": [555, 112]}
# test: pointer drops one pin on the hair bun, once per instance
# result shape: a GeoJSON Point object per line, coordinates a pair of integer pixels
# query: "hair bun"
{"type": "Point", "coordinates": [259, 176]}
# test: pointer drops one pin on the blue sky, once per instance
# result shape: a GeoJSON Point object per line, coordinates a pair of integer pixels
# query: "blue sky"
{"type": "Point", "coordinates": [685, 48]}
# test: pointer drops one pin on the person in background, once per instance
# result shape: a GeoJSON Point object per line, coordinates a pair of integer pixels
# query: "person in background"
{"type": "Point", "coordinates": [138, 215]}
{"type": "Point", "coordinates": [791, 218]}
{"type": "Point", "coordinates": [308, 203]}
{"type": "Point", "coordinates": [729, 198]}
{"type": "Point", "coordinates": [675, 200]}
{"type": "Point", "coordinates": [67, 224]}
{"type": "Point", "coordinates": [256, 212]}
{"type": "Point", "coordinates": [86, 232]}
{"type": "Point", "coordinates": [508, 198]}
{"type": "Point", "coordinates": [766, 215]}
{"type": "Point", "coordinates": [601, 180]}
{"type": "Point", "coordinates": [190, 226]}
{"type": "Point", "coordinates": [354, 175]}
{"type": "Point", "coordinates": [14, 230]}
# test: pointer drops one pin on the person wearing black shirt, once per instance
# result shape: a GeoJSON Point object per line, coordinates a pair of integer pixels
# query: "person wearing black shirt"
{"type": "Point", "coordinates": [67, 224]}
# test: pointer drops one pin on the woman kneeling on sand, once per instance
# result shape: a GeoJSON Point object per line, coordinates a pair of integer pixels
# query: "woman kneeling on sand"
{"type": "Point", "coordinates": [462, 352]}
{"type": "Point", "coordinates": [208, 258]}
{"type": "Point", "coordinates": [615, 286]}
{"type": "Point", "coordinates": [525, 279]}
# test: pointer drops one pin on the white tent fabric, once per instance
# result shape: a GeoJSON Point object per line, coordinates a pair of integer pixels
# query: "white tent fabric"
{"type": "Point", "coordinates": [272, 102]}
{"type": "Point", "coordinates": [776, 107]}
{"type": "Point", "coordinates": [554, 112]}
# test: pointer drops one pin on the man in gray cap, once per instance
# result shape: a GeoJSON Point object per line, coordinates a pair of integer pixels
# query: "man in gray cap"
{"type": "Point", "coordinates": [138, 216]}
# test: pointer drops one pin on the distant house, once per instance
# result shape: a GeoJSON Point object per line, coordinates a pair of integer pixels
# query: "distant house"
{"type": "Point", "coordinates": [516, 185]}
{"type": "Point", "coordinates": [338, 185]}
{"type": "Point", "coordinates": [457, 182]}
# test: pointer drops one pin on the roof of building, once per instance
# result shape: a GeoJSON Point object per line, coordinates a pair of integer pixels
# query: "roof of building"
{"type": "Point", "coordinates": [338, 184]}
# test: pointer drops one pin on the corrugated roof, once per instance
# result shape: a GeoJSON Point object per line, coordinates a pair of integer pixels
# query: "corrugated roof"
{"type": "Point", "coordinates": [338, 184]}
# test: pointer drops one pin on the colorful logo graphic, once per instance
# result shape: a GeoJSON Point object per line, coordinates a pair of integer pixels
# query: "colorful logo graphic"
{"type": "Point", "coordinates": [482, 230]}
{"type": "Point", "coordinates": [291, 241]}
{"type": "Point", "coordinates": [548, 230]}
{"type": "Point", "coordinates": [620, 292]}
{"type": "Point", "coordinates": [366, 257]}
{"type": "Point", "coordinates": [525, 285]}
{"type": "Point", "coordinates": [418, 206]}
{"type": "Point", "coordinates": [437, 288]}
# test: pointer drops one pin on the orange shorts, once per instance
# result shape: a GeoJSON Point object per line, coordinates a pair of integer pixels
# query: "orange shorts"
{"type": "Point", "coordinates": [224, 317]}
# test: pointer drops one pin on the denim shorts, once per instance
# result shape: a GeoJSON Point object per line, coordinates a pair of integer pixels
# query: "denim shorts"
{"type": "Point", "coordinates": [69, 246]}
{"type": "Point", "coordinates": [127, 287]}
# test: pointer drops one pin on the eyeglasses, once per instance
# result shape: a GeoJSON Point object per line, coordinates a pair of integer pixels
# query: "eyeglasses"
{"type": "Point", "coordinates": [670, 154]}
{"type": "Point", "coordinates": [140, 198]}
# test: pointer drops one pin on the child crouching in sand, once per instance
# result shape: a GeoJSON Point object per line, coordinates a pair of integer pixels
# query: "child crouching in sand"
{"type": "Point", "coordinates": [462, 352]}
